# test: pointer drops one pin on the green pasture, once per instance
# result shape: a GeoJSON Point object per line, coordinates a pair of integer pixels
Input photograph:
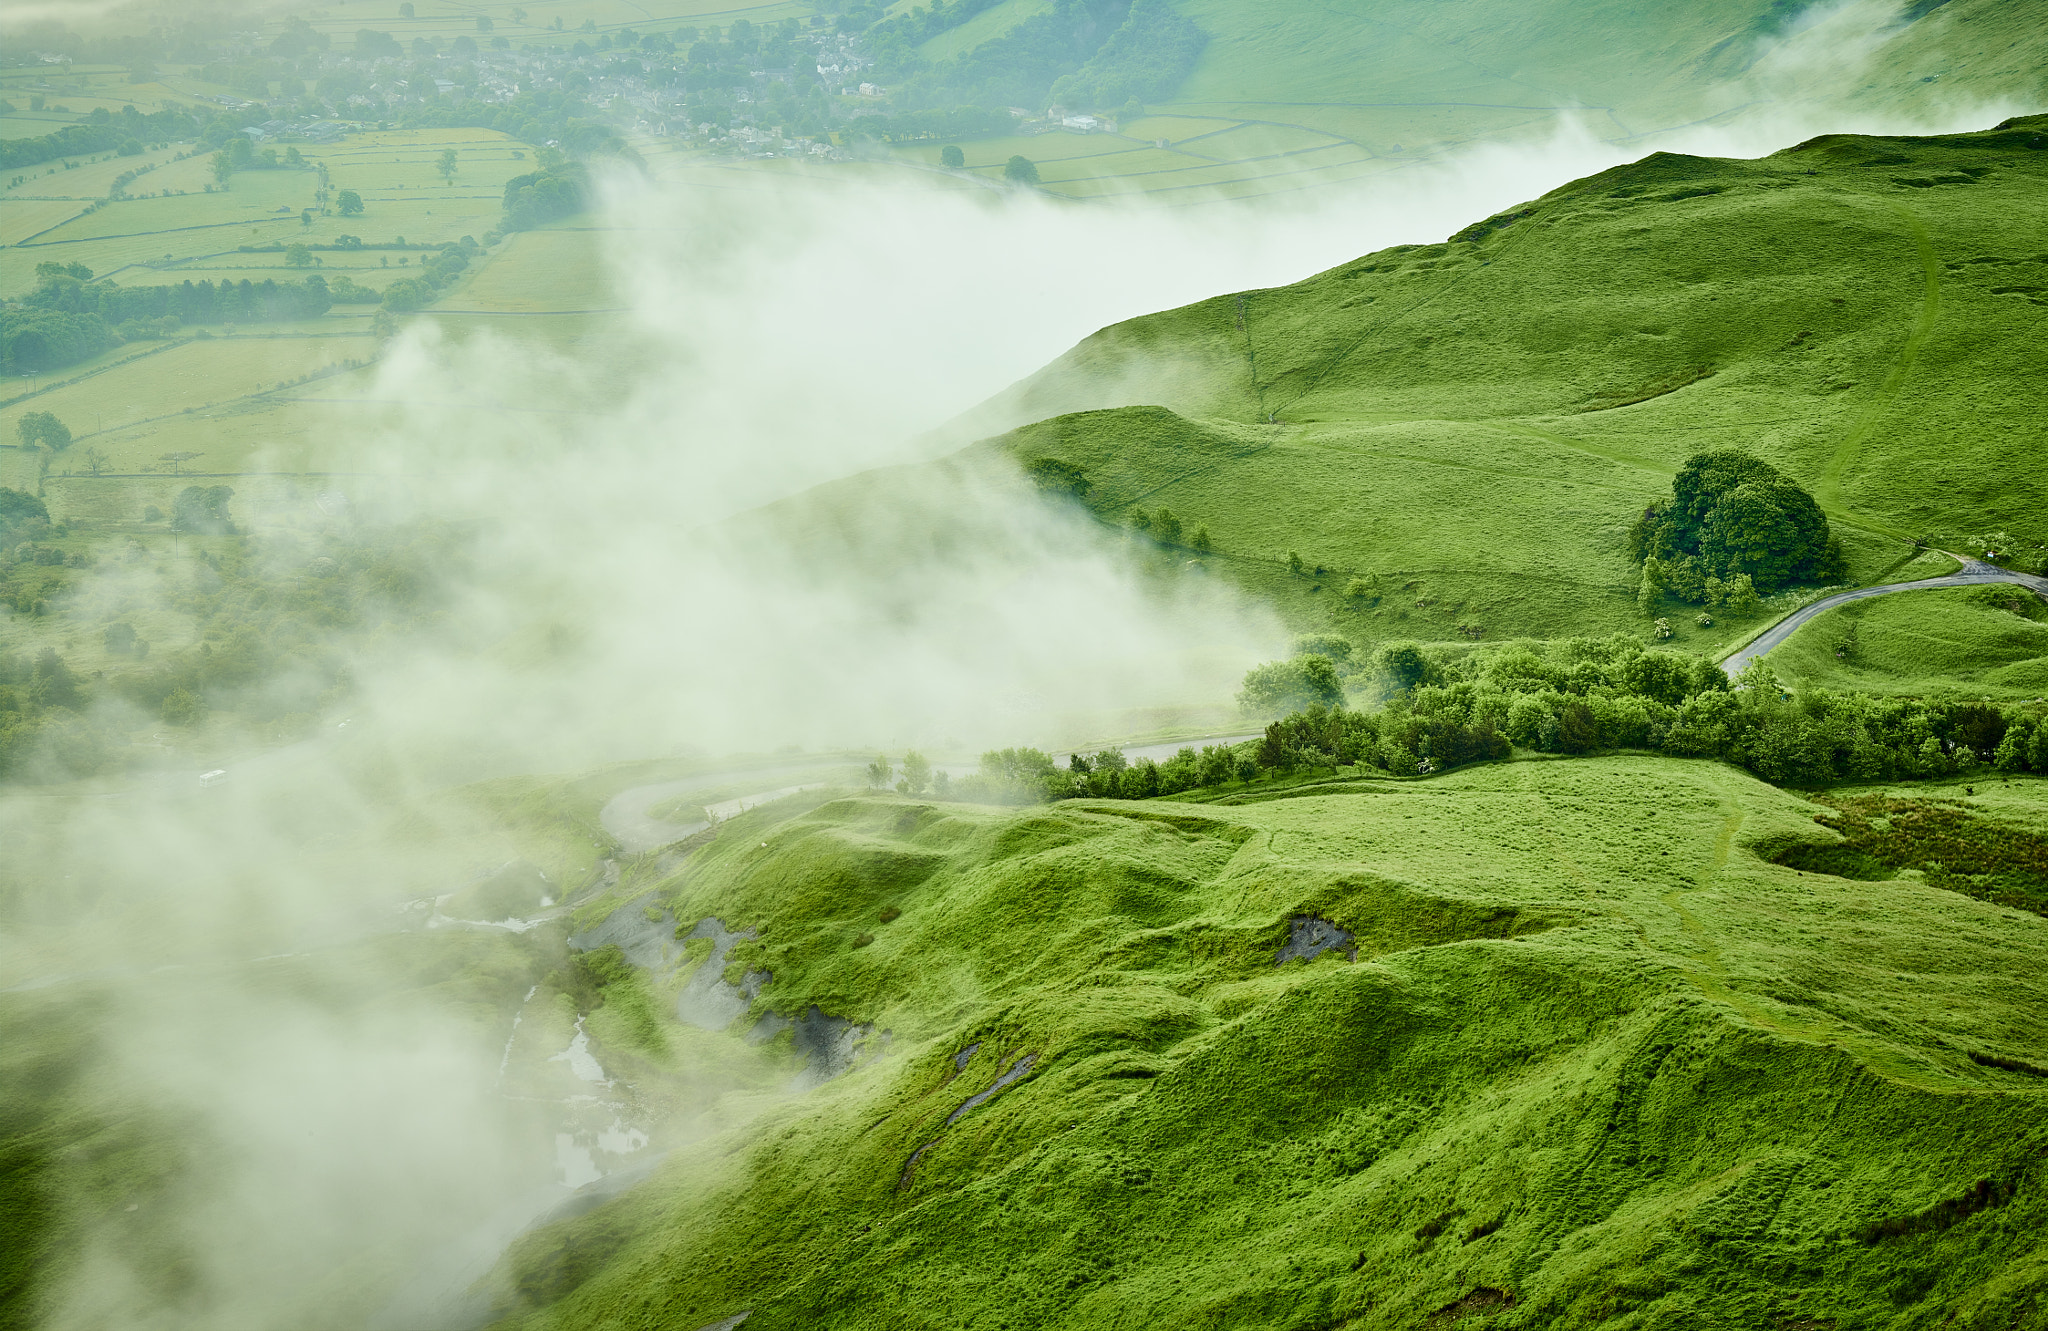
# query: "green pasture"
{"type": "Point", "coordinates": [22, 218]}
{"type": "Point", "coordinates": [539, 272]}
{"type": "Point", "coordinates": [1990, 640]}
{"type": "Point", "coordinates": [187, 377]}
{"type": "Point", "coordinates": [172, 219]}
{"type": "Point", "coordinates": [1590, 1035]}
{"type": "Point", "coordinates": [33, 125]}
{"type": "Point", "coordinates": [94, 175]}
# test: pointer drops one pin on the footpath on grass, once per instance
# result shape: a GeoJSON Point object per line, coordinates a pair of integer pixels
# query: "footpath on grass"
{"type": "Point", "coordinates": [1974, 573]}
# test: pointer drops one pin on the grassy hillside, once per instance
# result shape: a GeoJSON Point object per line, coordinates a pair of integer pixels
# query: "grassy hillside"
{"type": "Point", "coordinates": [1989, 641]}
{"type": "Point", "coordinates": [1476, 422]}
{"type": "Point", "coordinates": [1588, 1066]}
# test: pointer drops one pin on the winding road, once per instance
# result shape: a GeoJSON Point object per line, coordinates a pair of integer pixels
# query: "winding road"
{"type": "Point", "coordinates": [1974, 573]}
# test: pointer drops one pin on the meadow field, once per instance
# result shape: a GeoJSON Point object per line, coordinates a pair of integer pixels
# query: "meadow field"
{"type": "Point", "coordinates": [1989, 642]}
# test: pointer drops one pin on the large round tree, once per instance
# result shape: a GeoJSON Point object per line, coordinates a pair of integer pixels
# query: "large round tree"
{"type": "Point", "coordinates": [1732, 514]}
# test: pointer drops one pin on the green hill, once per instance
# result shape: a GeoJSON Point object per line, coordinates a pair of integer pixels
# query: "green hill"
{"type": "Point", "coordinates": [1989, 642]}
{"type": "Point", "coordinates": [1587, 1057]}
{"type": "Point", "coordinates": [1475, 424]}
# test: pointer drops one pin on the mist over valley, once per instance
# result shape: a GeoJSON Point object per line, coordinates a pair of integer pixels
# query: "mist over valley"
{"type": "Point", "coordinates": [1013, 664]}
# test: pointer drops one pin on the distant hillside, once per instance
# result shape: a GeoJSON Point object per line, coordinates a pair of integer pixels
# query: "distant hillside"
{"type": "Point", "coordinates": [1476, 422]}
{"type": "Point", "coordinates": [1284, 96]}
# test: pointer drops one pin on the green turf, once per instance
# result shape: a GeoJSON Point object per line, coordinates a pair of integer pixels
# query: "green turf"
{"type": "Point", "coordinates": [1988, 641]}
{"type": "Point", "coordinates": [1616, 1066]}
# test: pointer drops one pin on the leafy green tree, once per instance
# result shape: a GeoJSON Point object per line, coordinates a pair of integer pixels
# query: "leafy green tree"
{"type": "Point", "coordinates": [1401, 665]}
{"type": "Point", "coordinates": [1021, 170]}
{"type": "Point", "coordinates": [1337, 648]}
{"type": "Point", "coordinates": [53, 680]}
{"type": "Point", "coordinates": [917, 774]}
{"type": "Point", "coordinates": [297, 256]}
{"type": "Point", "coordinates": [1730, 514]}
{"type": "Point", "coordinates": [1200, 542]}
{"type": "Point", "coordinates": [42, 427]}
{"type": "Point", "coordinates": [446, 165]}
{"type": "Point", "coordinates": [951, 157]}
{"type": "Point", "coordinates": [879, 772]}
{"type": "Point", "coordinates": [1054, 477]}
{"type": "Point", "coordinates": [203, 510]}
{"type": "Point", "coordinates": [483, 24]}
{"type": "Point", "coordinates": [1650, 587]}
{"type": "Point", "coordinates": [20, 512]}
{"type": "Point", "coordinates": [1284, 686]}
{"type": "Point", "coordinates": [348, 203]}
{"type": "Point", "coordinates": [1294, 564]}
{"type": "Point", "coordinates": [1166, 527]}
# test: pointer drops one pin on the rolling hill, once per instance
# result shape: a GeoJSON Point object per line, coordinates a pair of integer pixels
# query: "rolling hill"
{"type": "Point", "coordinates": [1568, 1048]}
{"type": "Point", "coordinates": [1474, 424]}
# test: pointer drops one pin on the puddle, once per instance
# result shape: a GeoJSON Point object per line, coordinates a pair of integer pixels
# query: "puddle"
{"type": "Point", "coordinates": [829, 1045]}
{"type": "Point", "coordinates": [620, 1139]}
{"type": "Point", "coordinates": [517, 1017]}
{"type": "Point", "coordinates": [576, 1164]}
{"type": "Point", "coordinates": [1017, 1069]}
{"type": "Point", "coordinates": [707, 1000]}
{"type": "Point", "coordinates": [581, 1061]}
{"type": "Point", "coordinates": [648, 944]}
{"type": "Point", "coordinates": [1009, 1078]}
{"type": "Point", "coordinates": [1309, 937]}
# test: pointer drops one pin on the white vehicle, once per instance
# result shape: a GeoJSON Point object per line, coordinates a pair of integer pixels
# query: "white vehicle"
{"type": "Point", "coordinates": [213, 778]}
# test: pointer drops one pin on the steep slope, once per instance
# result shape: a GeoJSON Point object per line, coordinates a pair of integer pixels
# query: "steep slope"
{"type": "Point", "coordinates": [1478, 420]}
{"type": "Point", "coordinates": [1572, 1052]}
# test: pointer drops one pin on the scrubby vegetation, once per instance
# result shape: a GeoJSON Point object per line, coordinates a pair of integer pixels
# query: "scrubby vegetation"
{"type": "Point", "coordinates": [1953, 847]}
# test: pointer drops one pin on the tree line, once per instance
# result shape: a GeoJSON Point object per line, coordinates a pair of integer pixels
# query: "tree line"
{"type": "Point", "coordinates": [100, 132]}
{"type": "Point", "coordinates": [1576, 697]}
